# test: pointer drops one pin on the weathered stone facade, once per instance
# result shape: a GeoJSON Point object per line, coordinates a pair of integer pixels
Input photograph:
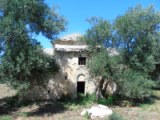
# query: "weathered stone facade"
{"type": "Point", "coordinates": [73, 76]}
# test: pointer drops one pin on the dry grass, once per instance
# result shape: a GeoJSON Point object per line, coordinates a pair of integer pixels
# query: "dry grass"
{"type": "Point", "coordinates": [6, 91]}
{"type": "Point", "coordinates": [61, 111]}
{"type": "Point", "coordinates": [148, 111]}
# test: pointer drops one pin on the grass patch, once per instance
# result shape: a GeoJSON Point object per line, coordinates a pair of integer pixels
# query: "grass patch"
{"type": "Point", "coordinates": [111, 100]}
{"type": "Point", "coordinates": [144, 106]}
{"type": "Point", "coordinates": [151, 102]}
{"type": "Point", "coordinates": [116, 116]}
{"type": "Point", "coordinates": [86, 116]}
{"type": "Point", "coordinates": [81, 101]}
{"type": "Point", "coordinates": [22, 114]}
{"type": "Point", "coordinates": [87, 101]}
{"type": "Point", "coordinates": [156, 93]}
{"type": "Point", "coordinates": [6, 117]}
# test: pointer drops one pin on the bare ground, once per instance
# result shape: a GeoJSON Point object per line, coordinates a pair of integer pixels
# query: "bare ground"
{"type": "Point", "coordinates": [60, 111]}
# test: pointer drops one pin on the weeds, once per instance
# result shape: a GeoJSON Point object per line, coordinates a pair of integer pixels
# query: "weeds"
{"type": "Point", "coordinates": [86, 101]}
{"type": "Point", "coordinates": [22, 114]}
{"type": "Point", "coordinates": [86, 116]}
{"type": "Point", "coordinates": [111, 100]}
{"type": "Point", "coordinates": [81, 100]}
{"type": "Point", "coordinates": [6, 117]}
{"type": "Point", "coordinates": [116, 116]}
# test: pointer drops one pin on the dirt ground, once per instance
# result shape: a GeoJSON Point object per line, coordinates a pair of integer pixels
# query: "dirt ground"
{"type": "Point", "coordinates": [59, 111]}
{"type": "Point", "coordinates": [6, 91]}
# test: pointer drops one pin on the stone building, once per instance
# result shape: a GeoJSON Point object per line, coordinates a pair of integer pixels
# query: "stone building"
{"type": "Point", "coordinates": [73, 76]}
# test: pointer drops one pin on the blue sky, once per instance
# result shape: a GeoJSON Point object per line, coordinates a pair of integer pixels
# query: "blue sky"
{"type": "Point", "coordinates": [77, 11]}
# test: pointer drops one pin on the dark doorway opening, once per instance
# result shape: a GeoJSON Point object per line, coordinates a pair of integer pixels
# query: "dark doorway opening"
{"type": "Point", "coordinates": [81, 87]}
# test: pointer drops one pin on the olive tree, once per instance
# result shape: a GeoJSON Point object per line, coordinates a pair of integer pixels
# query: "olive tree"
{"type": "Point", "coordinates": [22, 61]}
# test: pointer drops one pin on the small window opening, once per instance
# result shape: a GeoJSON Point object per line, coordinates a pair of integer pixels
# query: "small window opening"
{"type": "Point", "coordinates": [82, 61]}
{"type": "Point", "coordinates": [48, 91]}
{"type": "Point", "coordinates": [65, 77]}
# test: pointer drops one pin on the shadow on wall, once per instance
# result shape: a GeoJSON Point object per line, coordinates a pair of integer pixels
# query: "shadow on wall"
{"type": "Point", "coordinates": [63, 83]}
{"type": "Point", "coordinates": [59, 87]}
{"type": "Point", "coordinates": [56, 87]}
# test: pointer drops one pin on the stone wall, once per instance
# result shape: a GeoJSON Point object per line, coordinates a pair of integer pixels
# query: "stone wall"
{"type": "Point", "coordinates": [70, 72]}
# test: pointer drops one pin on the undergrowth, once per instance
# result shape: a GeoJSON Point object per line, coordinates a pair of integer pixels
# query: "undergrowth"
{"type": "Point", "coordinates": [6, 117]}
{"type": "Point", "coordinates": [116, 116]}
{"type": "Point", "coordinates": [88, 100]}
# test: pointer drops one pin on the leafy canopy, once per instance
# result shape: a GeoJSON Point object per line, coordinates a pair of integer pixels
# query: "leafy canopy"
{"type": "Point", "coordinates": [99, 33]}
{"type": "Point", "coordinates": [138, 32]}
{"type": "Point", "coordinates": [23, 62]}
{"type": "Point", "coordinates": [135, 36]}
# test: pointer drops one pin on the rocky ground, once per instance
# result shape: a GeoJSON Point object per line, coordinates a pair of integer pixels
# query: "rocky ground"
{"type": "Point", "coordinates": [61, 111]}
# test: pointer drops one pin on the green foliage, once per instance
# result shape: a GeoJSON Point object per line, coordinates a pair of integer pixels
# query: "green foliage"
{"type": "Point", "coordinates": [6, 117]}
{"type": "Point", "coordinates": [116, 116]}
{"type": "Point", "coordinates": [23, 63]}
{"type": "Point", "coordinates": [22, 114]}
{"type": "Point", "coordinates": [137, 32]}
{"type": "Point", "coordinates": [35, 14]}
{"type": "Point", "coordinates": [98, 34]}
{"type": "Point", "coordinates": [107, 101]}
{"type": "Point", "coordinates": [86, 116]}
{"type": "Point", "coordinates": [133, 85]}
{"type": "Point", "coordinates": [89, 100]}
{"type": "Point", "coordinates": [135, 35]}
{"type": "Point", "coordinates": [138, 37]}
{"type": "Point", "coordinates": [102, 64]}
{"type": "Point", "coordinates": [82, 99]}
{"type": "Point", "coordinates": [29, 68]}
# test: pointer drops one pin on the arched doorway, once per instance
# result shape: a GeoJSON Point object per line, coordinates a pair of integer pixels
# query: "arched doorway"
{"type": "Point", "coordinates": [81, 84]}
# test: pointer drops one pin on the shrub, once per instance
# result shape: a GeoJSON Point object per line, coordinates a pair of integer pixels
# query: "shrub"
{"type": "Point", "coordinates": [115, 116]}
{"type": "Point", "coordinates": [86, 99]}
{"type": "Point", "coordinates": [109, 101]}
{"type": "Point", "coordinates": [7, 117]}
{"type": "Point", "coordinates": [134, 85]}
{"type": "Point", "coordinates": [81, 99]}
{"type": "Point", "coordinates": [86, 116]}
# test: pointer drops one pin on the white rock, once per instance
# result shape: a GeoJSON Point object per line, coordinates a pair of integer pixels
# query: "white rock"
{"type": "Point", "coordinates": [84, 112]}
{"type": "Point", "coordinates": [102, 106]}
{"type": "Point", "coordinates": [98, 111]}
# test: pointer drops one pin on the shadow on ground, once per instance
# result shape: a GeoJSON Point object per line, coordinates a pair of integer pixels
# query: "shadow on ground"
{"type": "Point", "coordinates": [10, 105]}
{"type": "Point", "coordinates": [49, 109]}
{"type": "Point", "coordinates": [5, 108]}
